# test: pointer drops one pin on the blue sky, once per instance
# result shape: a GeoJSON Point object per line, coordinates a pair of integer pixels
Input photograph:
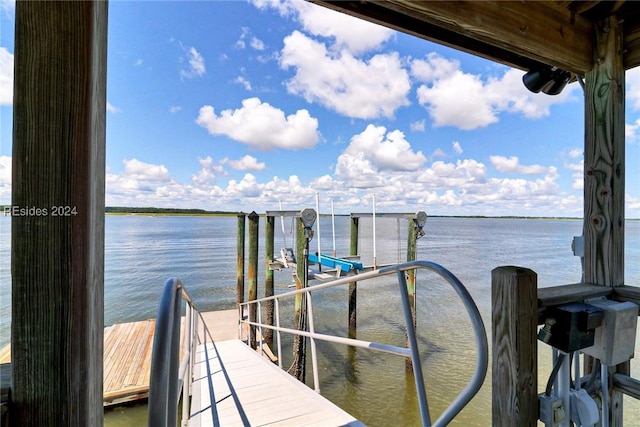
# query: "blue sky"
{"type": "Point", "coordinates": [243, 105]}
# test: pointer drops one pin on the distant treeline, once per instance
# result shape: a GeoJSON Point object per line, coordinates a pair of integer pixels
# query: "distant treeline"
{"type": "Point", "coordinates": [170, 211]}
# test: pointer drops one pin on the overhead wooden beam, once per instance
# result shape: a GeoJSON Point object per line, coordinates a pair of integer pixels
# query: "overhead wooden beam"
{"type": "Point", "coordinates": [522, 34]}
{"type": "Point", "coordinates": [631, 43]}
{"type": "Point", "coordinates": [57, 235]}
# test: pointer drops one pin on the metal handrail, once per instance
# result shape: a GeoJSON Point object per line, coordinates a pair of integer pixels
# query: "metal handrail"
{"type": "Point", "coordinates": [461, 400]}
{"type": "Point", "coordinates": [168, 375]}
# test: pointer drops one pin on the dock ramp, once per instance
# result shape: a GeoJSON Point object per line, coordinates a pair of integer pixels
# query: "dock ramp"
{"type": "Point", "coordinates": [249, 390]}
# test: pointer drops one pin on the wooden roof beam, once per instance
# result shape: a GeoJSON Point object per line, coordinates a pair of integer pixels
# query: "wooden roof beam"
{"type": "Point", "coordinates": [521, 34]}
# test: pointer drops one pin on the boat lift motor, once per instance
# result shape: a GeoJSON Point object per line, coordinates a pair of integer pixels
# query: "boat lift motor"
{"type": "Point", "coordinates": [601, 328]}
{"type": "Point", "coordinates": [419, 220]}
{"type": "Point", "coordinates": [308, 217]}
{"type": "Point", "coordinates": [568, 328]}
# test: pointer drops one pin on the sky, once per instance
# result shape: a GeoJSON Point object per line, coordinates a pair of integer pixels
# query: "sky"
{"type": "Point", "coordinates": [261, 104]}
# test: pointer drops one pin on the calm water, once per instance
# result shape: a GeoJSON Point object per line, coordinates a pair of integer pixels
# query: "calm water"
{"type": "Point", "coordinates": [142, 252]}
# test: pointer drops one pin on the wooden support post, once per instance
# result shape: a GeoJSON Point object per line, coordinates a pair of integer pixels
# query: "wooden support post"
{"type": "Point", "coordinates": [268, 283]}
{"type": "Point", "coordinates": [300, 315]}
{"type": "Point", "coordinates": [514, 330]}
{"type": "Point", "coordinates": [252, 274]}
{"type": "Point", "coordinates": [412, 244]}
{"type": "Point", "coordinates": [604, 184]}
{"type": "Point", "coordinates": [240, 259]}
{"type": "Point", "coordinates": [353, 286]}
{"type": "Point", "coordinates": [57, 242]}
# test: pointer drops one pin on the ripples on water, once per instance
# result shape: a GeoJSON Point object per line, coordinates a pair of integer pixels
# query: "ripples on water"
{"type": "Point", "coordinates": [141, 252]}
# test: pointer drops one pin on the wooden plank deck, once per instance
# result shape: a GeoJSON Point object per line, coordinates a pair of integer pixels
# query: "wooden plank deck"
{"type": "Point", "coordinates": [127, 354]}
{"type": "Point", "coordinates": [249, 390]}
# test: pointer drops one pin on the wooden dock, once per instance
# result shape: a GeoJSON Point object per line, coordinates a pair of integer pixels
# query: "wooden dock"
{"type": "Point", "coordinates": [127, 354]}
{"type": "Point", "coordinates": [249, 390]}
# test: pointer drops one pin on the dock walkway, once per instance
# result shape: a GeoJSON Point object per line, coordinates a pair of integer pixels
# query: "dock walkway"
{"type": "Point", "coordinates": [249, 390]}
{"type": "Point", "coordinates": [246, 387]}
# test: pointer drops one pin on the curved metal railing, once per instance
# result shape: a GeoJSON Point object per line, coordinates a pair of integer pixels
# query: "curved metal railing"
{"type": "Point", "coordinates": [169, 375]}
{"type": "Point", "coordinates": [461, 400]}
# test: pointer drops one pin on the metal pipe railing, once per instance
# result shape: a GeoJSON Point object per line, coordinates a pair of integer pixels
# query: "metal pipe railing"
{"type": "Point", "coordinates": [482, 357]}
{"type": "Point", "coordinates": [169, 377]}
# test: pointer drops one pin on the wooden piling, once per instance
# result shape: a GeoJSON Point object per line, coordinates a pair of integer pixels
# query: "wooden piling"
{"type": "Point", "coordinates": [514, 352]}
{"type": "Point", "coordinates": [353, 286]}
{"type": "Point", "coordinates": [240, 259]}
{"type": "Point", "coordinates": [268, 282]}
{"type": "Point", "coordinates": [412, 245]}
{"type": "Point", "coordinates": [300, 315]}
{"type": "Point", "coordinates": [604, 184]}
{"type": "Point", "coordinates": [252, 274]}
{"type": "Point", "coordinates": [57, 241]}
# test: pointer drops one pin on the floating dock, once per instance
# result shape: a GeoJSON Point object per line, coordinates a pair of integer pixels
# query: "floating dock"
{"type": "Point", "coordinates": [127, 354]}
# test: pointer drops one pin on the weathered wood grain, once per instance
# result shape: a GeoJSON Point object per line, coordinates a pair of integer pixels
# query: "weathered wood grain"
{"type": "Point", "coordinates": [514, 348]}
{"type": "Point", "coordinates": [627, 293]}
{"type": "Point", "coordinates": [604, 162]}
{"type": "Point", "coordinates": [269, 289]}
{"type": "Point", "coordinates": [252, 274]}
{"type": "Point", "coordinates": [240, 259]}
{"type": "Point", "coordinates": [57, 254]}
{"type": "Point", "coordinates": [521, 34]}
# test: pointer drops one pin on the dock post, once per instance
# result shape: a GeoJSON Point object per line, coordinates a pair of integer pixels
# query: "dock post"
{"type": "Point", "coordinates": [604, 179]}
{"type": "Point", "coordinates": [514, 330]}
{"type": "Point", "coordinates": [353, 286]}
{"type": "Point", "coordinates": [300, 316]}
{"type": "Point", "coordinates": [240, 261]}
{"type": "Point", "coordinates": [268, 282]}
{"type": "Point", "coordinates": [412, 244]}
{"type": "Point", "coordinates": [57, 245]}
{"type": "Point", "coordinates": [252, 273]}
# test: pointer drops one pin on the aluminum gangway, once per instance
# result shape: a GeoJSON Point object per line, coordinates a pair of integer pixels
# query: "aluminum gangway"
{"type": "Point", "coordinates": [228, 383]}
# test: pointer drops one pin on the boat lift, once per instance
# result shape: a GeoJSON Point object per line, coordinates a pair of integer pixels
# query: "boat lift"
{"type": "Point", "coordinates": [323, 266]}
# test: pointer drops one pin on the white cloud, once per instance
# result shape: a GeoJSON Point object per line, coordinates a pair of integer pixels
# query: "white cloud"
{"type": "Point", "coordinates": [138, 62]}
{"type": "Point", "coordinates": [112, 108]}
{"type": "Point", "coordinates": [632, 203]}
{"type": "Point", "coordinates": [341, 82]}
{"type": "Point", "coordinates": [467, 101]}
{"type": "Point", "coordinates": [8, 7]}
{"type": "Point", "coordinates": [6, 77]}
{"type": "Point", "coordinates": [418, 126]}
{"type": "Point", "coordinates": [175, 109]}
{"type": "Point", "coordinates": [631, 131]}
{"type": "Point", "coordinates": [578, 181]}
{"type": "Point", "coordinates": [373, 151]}
{"type": "Point", "coordinates": [457, 147]}
{"type": "Point", "coordinates": [462, 187]}
{"type": "Point", "coordinates": [346, 32]}
{"type": "Point", "coordinates": [262, 126]}
{"type": "Point", "coordinates": [512, 165]}
{"type": "Point", "coordinates": [139, 181]}
{"type": "Point", "coordinates": [257, 44]}
{"type": "Point", "coordinates": [632, 78]}
{"type": "Point", "coordinates": [577, 168]}
{"type": "Point", "coordinates": [575, 152]}
{"type": "Point", "coordinates": [246, 163]}
{"type": "Point", "coordinates": [244, 82]}
{"type": "Point", "coordinates": [461, 175]}
{"type": "Point", "coordinates": [254, 42]}
{"type": "Point", "coordinates": [196, 64]}
{"type": "Point", "coordinates": [5, 179]}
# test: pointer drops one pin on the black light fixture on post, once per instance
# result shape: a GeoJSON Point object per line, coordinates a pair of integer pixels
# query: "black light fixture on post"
{"type": "Point", "coordinates": [549, 80]}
